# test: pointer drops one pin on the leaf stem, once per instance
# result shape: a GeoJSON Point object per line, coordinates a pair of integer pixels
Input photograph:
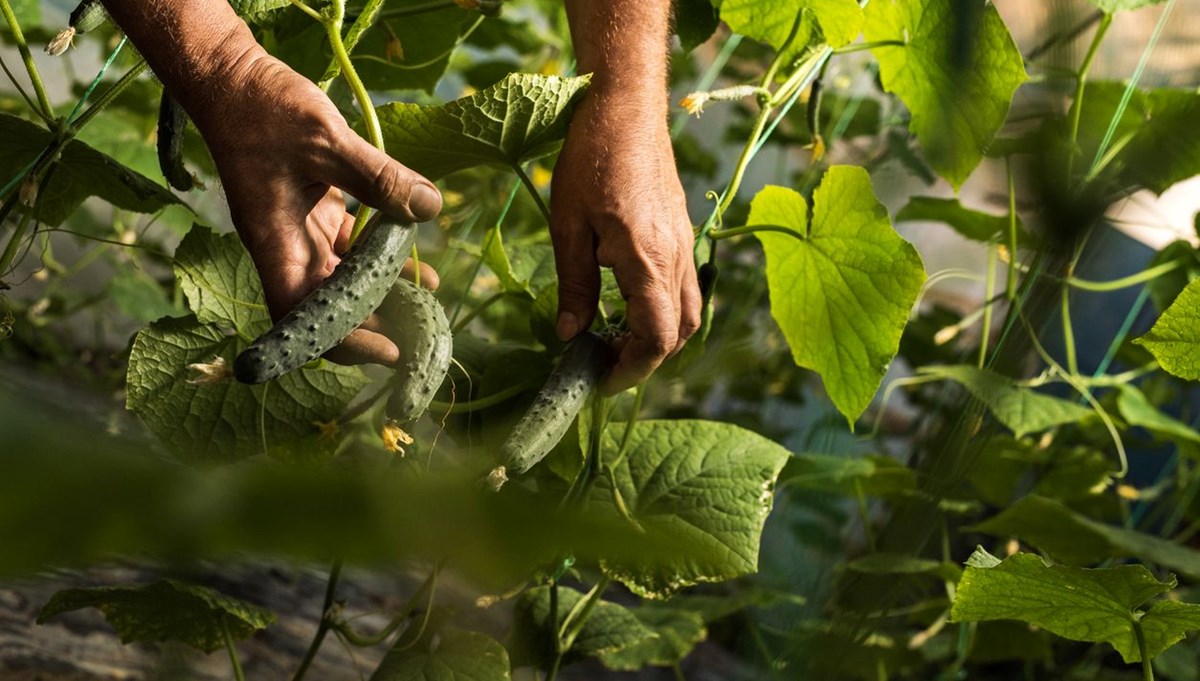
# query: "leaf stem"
{"type": "Point", "coordinates": [1011, 281]}
{"type": "Point", "coordinates": [34, 77]}
{"type": "Point", "coordinates": [14, 242]}
{"type": "Point", "coordinates": [537, 196]}
{"type": "Point", "coordinates": [322, 626]}
{"type": "Point", "coordinates": [869, 45]}
{"type": "Point", "coordinates": [718, 234]}
{"type": "Point", "coordinates": [577, 618]}
{"type": "Point", "coordinates": [1147, 667]}
{"type": "Point", "coordinates": [989, 292]}
{"type": "Point", "coordinates": [1080, 84]}
{"type": "Point", "coordinates": [308, 10]}
{"type": "Point", "coordinates": [1125, 282]}
{"type": "Point", "coordinates": [233, 657]}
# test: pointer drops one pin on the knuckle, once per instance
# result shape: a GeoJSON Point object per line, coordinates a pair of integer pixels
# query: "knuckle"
{"type": "Point", "coordinates": [392, 184]}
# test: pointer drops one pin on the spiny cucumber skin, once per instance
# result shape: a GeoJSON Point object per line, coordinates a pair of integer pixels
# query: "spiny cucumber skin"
{"type": "Point", "coordinates": [88, 15]}
{"type": "Point", "coordinates": [172, 120]}
{"type": "Point", "coordinates": [335, 308]}
{"type": "Point", "coordinates": [579, 371]}
{"type": "Point", "coordinates": [423, 334]}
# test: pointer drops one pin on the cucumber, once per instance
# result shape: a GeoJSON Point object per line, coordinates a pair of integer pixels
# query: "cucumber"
{"type": "Point", "coordinates": [88, 15]}
{"type": "Point", "coordinates": [579, 371]}
{"type": "Point", "coordinates": [423, 334]}
{"type": "Point", "coordinates": [172, 120]}
{"type": "Point", "coordinates": [335, 308]}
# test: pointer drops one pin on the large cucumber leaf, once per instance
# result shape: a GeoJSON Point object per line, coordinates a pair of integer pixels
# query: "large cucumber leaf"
{"type": "Point", "coordinates": [521, 118]}
{"type": "Point", "coordinates": [771, 21]}
{"type": "Point", "coordinates": [701, 485]}
{"type": "Point", "coordinates": [450, 654]}
{"type": "Point", "coordinates": [1099, 606]}
{"type": "Point", "coordinates": [956, 71]}
{"type": "Point", "coordinates": [81, 172]}
{"type": "Point", "coordinates": [1174, 340]}
{"type": "Point", "coordinates": [842, 288]}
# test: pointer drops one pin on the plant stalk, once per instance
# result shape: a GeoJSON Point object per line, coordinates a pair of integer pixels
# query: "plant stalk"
{"type": "Point", "coordinates": [322, 626]}
{"type": "Point", "coordinates": [34, 77]}
{"type": "Point", "coordinates": [1080, 84]}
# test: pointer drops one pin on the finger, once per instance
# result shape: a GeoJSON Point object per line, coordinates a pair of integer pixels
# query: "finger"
{"type": "Point", "coordinates": [365, 347]}
{"type": "Point", "coordinates": [429, 276]}
{"type": "Point", "coordinates": [653, 336]}
{"type": "Point", "coordinates": [341, 240]}
{"type": "Point", "coordinates": [381, 182]}
{"type": "Point", "coordinates": [578, 277]}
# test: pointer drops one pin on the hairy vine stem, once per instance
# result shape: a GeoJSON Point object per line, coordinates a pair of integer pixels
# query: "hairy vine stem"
{"type": "Point", "coordinates": [47, 109]}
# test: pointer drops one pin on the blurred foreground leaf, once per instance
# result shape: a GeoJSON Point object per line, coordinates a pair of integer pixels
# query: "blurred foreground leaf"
{"type": "Point", "coordinates": [166, 610]}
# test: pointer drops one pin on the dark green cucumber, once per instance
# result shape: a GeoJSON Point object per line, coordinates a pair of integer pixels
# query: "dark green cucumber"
{"type": "Point", "coordinates": [422, 333]}
{"type": "Point", "coordinates": [335, 308]}
{"type": "Point", "coordinates": [172, 120]}
{"type": "Point", "coordinates": [88, 15]}
{"type": "Point", "coordinates": [579, 371]}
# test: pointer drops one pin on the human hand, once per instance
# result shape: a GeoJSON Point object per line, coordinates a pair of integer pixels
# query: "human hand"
{"type": "Point", "coordinates": [616, 201]}
{"type": "Point", "coordinates": [284, 154]}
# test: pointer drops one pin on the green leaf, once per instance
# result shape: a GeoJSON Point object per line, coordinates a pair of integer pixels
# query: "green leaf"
{"type": "Point", "coordinates": [958, 81]}
{"type": "Point", "coordinates": [609, 629]}
{"type": "Point", "coordinates": [900, 564]}
{"type": "Point", "coordinates": [695, 22]}
{"type": "Point", "coordinates": [1074, 538]}
{"type": "Point", "coordinates": [1137, 411]}
{"type": "Point", "coordinates": [1165, 289]}
{"type": "Point", "coordinates": [840, 21]}
{"type": "Point", "coordinates": [521, 118]}
{"type": "Point", "coordinates": [81, 172]}
{"type": "Point", "coordinates": [451, 654]}
{"type": "Point", "coordinates": [1098, 606]}
{"type": "Point", "coordinates": [1022, 410]}
{"type": "Point", "coordinates": [426, 43]}
{"type": "Point", "coordinates": [973, 224]}
{"type": "Point", "coordinates": [841, 292]}
{"type": "Point", "coordinates": [245, 7]}
{"type": "Point", "coordinates": [1174, 340]}
{"type": "Point", "coordinates": [678, 632]}
{"type": "Point", "coordinates": [497, 261]}
{"type": "Point", "coordinates": [220, 282]}
{"type": "Point", "coordinates": [878, 476]}
{"type": "Point", "coordinates": [1153, 142]}
{"type": "Point", "coordinates": [166, 610]}
{"type": "Point", "coordinates": [1111, 6]}
{"type": "Point", "coordinates": [704, 485]}
{"type": "Point", "coordinates": [227, 420]}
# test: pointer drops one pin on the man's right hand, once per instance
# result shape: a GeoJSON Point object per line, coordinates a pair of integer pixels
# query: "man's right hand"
{"type": "Point", "coordinates": [284, 154]}
{"type": "Point", "coordinates": [282, 149]}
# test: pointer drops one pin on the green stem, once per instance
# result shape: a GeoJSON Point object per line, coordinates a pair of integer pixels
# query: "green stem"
{"type": "Point", "coordinates": [1011, 283]}
{"type": "Point", "coordinates": [1147, 666]}
{"type": "Point", "coordinates": [479, 309]}
{"type": "Point", "coordinates": [233, 657]}
{"type": "Point", "coordinates": [718, 234]}
{"type": "Point", "coordinates": [308, 10]}
{"type": "Point", "coordinates": [367, 640]}
{"type": "Point", "coordinates": [1125, 282]}
{"type": "Point", "coordinates": [34, 77]}
{"type": "Point", "coordinates": [110, 94]}
{"type": "Point", "coordinates": [483, 402]}
{"type": "Point", "coordinates": [528, 183]}
{"type": "Point", "coordinates": [869, 45]}
{"type": "Point", "coordinates": [333, 29]}
{"type": "Point", "coordinates": [360, 24]}
{"type": "Point", "coordinates": [990, 291]}
{"type": "Point", "coordinates": [573, 624]}
{"type": "Point", "coordinates": [322, 626]}
{"type": "Point", "coordinates": [14, 242]}
{"type": "Point", "coordinates": [1080, 84]}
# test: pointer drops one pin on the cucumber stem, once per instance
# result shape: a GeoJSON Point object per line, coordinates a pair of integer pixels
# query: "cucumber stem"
{"type": "Point", "coordinates": [47, 109]}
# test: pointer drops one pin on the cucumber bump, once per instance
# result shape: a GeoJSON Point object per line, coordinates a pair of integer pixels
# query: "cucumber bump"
{"type": "Point", "coordinates": [335, 308]}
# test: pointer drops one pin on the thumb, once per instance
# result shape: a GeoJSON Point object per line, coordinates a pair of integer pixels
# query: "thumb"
{"type": "Point", "coordinates": [382, 182]}
{"type": "Point", "coordinates": [578, 278]}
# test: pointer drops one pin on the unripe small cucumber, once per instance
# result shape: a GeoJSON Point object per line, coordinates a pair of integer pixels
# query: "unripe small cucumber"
{"type": "Point", "coordinates": [172, 120]}
{"type": "Point", "coordinates": [88, 15]}
{"type": "Point", "coordinates": [579, 371]}
{"type": "Point", "coordinates": [335, 308]}
{"type": "Point", "coordinates": [422, 333]}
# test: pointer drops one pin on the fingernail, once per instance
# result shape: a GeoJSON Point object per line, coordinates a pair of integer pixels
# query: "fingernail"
{"type": "Point", "coordinates": [425, 202]}
{"type": "Point", "coordinates": [568, 326]}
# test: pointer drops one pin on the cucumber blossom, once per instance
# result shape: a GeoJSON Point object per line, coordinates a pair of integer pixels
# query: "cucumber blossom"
{"type": "Point", "coordinates": [579, 371]}
{"type": "Point", "coordinates": [420, 328]}
{"type": "Point", "coordinates": [335, 308]}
